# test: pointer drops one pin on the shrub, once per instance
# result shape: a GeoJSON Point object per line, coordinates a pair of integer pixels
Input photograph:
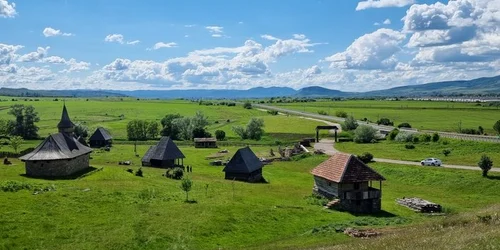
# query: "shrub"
{"type": "Point", "coordinates": [341, 113]}
{"type": "Point", "coordinates": [385, 121]}
{"type": "Point", "coordinates": [272, 112]}
{"type": "Point", "coordinates": [404, 137]}
{"type": "Point", "coordinates": [415, 139]}
{"type": "Point", "coordinates": [410, 146]}
{"type": "Point", "coordinates": [485, 164]}
{"type": "Point", "coordinates": [480, 129]}
{"type": "Point", "coordinates": [446, 151]}
{"type": "Point", "coordinates": [496, 127]}
{"type": "Point", "coordinates": [404, 125]}
{"type": "Point", "coordinates": [366, 157]}
{"type": "Point", "coordinates": [364, 134]}
{"type": "Point", "coordinates": [350, 123]}
{"type": "Point", "coordinates": [139, 172]}
{"type": "Point", "coordinates": [175, 173]}
{"type": "Point", "coordinates": [469, 131]}
{"type": "Point", "coordinates": [435, 137]}
{"type": "Point", "coordinates": [425, 137]}
{"type": "Point", "coordinates": [14, 186]}
{"type": "Point", "coordinates": [322, 112]}
{"type": "Point", "coordinates": [392, 135]}
{"type": "Point", "coordinates": [220, 135]}
{"type": "Point", "coordinates": [186, 187]}
{"type": "Point", "coordinates": [247, 105]}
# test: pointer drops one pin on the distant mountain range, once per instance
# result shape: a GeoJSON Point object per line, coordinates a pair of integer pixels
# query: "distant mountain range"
{"type": "Point", "coordinates": [485, 85]}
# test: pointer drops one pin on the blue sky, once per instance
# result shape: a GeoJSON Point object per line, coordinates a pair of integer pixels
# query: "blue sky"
{"type": "Point", "coordinates": [346, 45]}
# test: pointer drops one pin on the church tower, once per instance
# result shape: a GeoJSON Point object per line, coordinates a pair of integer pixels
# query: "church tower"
{"type": "Point", "coordinates": [65, 125]}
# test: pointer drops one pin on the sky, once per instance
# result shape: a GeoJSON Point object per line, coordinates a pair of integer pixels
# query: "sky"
{"type": "Point", "coordinates": [349, 45]}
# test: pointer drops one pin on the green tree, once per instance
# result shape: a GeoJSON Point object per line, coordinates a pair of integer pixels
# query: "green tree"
{"type": "Point", "coordinates": [168, 129]}
{"type": "Point", "coordinates": [241, 132]}
{"type": "Point", "coordinates": [496, 127]}
{"type": "Point", "coordinates": [4, 127]}
{"type": "Point", "coordinates": [81, 130]}
{"type": "Point", "coordinates": [186, 186]}
{"type": "Point", "coordinates": [435, 137]}
{"type": "Point", "coordinates": [350, 123]}
{"type": "Point", "coordinates": [485, 164]}
{"type": "Point", "coordinates": [183, 125]}
{"type": "Point", "coordinates": [24, 124]}
{"type": "Point", "coordinates": [247, 105]}
{"type": "Point", "coordinates": [341, 113]}
{"type": "Point", "coordinates": [199, 120]}
{"type": "Point", "coordinates": [16, 142]}
{"type": "Point", "coordinates": [137, 130]}
{"type": "Point", "coordinates": [364, 134]}
{"type": "Point", "coordinates": [220, 135]}
{"type": "Point", "coordinates": [153, 129]}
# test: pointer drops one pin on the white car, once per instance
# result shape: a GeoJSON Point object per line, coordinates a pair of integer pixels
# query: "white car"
{"type": "Point", "coordinates": [431, 162]}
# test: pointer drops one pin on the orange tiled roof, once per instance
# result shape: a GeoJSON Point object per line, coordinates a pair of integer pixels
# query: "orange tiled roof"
{"type": "Point", "coordinates": [343, 168]}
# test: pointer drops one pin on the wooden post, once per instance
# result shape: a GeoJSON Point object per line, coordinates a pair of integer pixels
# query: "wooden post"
{"type": "Point", "coordinates": [317, 135]}
{"type": "Point", "coordinates": [335, 135]}
{"type": "Point", "coordinates": [380, 186]}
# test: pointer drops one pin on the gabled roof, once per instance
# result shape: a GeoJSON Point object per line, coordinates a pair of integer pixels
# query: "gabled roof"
{"type": "Point", "coordinates": [100, 134]}
{"type": "Point", "coordinates": [244, 162]}
{"type": "Point", "coordinates": [164, 150]}
{"type": "Point", "coordinates": [345, 168]}
{"type": "Point", "coordinates": [65, 121]}
{"type": "Point", "coordinates": [205, 140]}
{"type": "Point", "coordinates": [57, 147]}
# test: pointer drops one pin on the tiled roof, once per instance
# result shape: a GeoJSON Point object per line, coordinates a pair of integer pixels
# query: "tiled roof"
{"type": "Point", "coordinates": [205, 140]}
{"type": "Point", "coordinates": [345, 168]}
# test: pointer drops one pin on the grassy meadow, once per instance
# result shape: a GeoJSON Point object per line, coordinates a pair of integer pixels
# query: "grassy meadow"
{"type": "Point", "coordinates": [423, 115]}
{"type": "Point", "coordinates": [113, 209]}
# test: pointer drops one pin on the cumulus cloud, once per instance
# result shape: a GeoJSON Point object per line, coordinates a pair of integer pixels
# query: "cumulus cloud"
{"type": "Point", "coordinates": [385, 22]}
{"type": "Point", "coordinates": [8, 53]}
{"type": "Point", "coordinates": [216, 31]}
{"type": "Point", "coordinates": [299, 36]}
{"type": "Point", "coordinates": [48, 32]}
{"type": "Point", "coordinates": [371, 51]}
{"type": "Point", "coordinates": [7, 9]}
{"type": "Point", "coordinates": [269, 37]}
{"type": "Point", "coordinates": [363, 5]}
{"type": "Point", "coordinates": [160, 45]}
{"type": "Point", "coordinates": [35, 56]}
{"type": "Point", "coordinates": [118, 38]}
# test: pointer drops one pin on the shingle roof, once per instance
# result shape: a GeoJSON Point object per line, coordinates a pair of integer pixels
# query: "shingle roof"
{"type": "Point", "coordinates": [164, 150]}
{"type": "Point", "coordinates": [100, 134]}
{"type": "Point", "coordinates": [344, 168]}
{"type": "Point", "coordinates": [244, 161]}
{"type": "Point", "coordinates": [57, 147]}
{"type": "Point", "coordinates": [205, 140]}
{"type": "Point", "coordinates": [65, 121]}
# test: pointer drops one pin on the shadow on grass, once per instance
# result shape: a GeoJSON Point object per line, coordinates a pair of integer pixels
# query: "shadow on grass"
{"type": "Point", "coordinates": [381, 214]}
{"type": "Point", "coordinates": [190, 201]}
{"type": "Point", "coordinates": [495, 177]}
{"type": "Point", "coordinates": [86, 172]}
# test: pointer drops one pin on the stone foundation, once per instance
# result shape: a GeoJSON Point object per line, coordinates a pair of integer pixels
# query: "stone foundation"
{"type": "Point", "coordinates": [57, 168]}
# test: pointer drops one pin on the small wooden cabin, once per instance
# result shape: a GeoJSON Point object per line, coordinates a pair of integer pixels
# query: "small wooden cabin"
{"type": "Point", "coordinates": [348, 179]}
{"type": "Point", "coordinates": [244, 166]}
{"type": "Point", "coordinates": [100, 138]}
{"type": "Point", "coordinates": [165, 154]}
{"type": "Point", "coordinates": [205, 142]}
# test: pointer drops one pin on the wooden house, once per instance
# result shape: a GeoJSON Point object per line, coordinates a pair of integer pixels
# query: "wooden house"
{"type": "Point", "coordinates": [100, 138]}
{"type": "Point", "coordinates": [244, 166]}
{"type": "Point", "coordinates": [205, 142]}
{"type": "Point", "coordinates": [165, 154]}
{"type": "Point", "coordinates": [348, 179]}
{"type": "Point", "coordinates": [59, 154]}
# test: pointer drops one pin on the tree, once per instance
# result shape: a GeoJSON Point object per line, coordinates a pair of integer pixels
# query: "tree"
{"type": "Point", "coordinates": [153, 129]}
{"type": "Point", "coordinates": [15, 142]}
{"type": "Point", "coordinates": [496, 127]}
{"type": "Point", "coordinates": [350, 123]}
{"type": "Point", "coordinates": [186, 185]}
{"type": "Point", "coordinates": [168, 129]}
{"type": "Point", "coordinates": [199, 120]}
{"type": "Point", "coordinates": [24, 125]}
{"type": "Point", "coordinates": [435, 137]}
{"type": "Point", "coordinates": [392, 135]}
{"type": "Point", "coordinates": [220, 135]}
{"type": "Point", "coordinates": [404, 125]}
{"type": "Point", "coordinates": [183, 125]}
{"type": "Point", "coordinates": [255, 128]}
{"type": "Point", "coordinates": [385, 121]}
{"type": "Point", "coordinates": [364, 134]}
{"type": "Point", "coordinates": [341, 113]}
{"type": "Point", "coordinates": [247, 105]}
{"type": "Point", "coordinates": [485, 164]}
{"type": "Point", "coordinates": [81, 130]}
{"type": "Point", "coordinates": [201, 133]}
{"type": "Point", "coordinates": [366, 157]}
{"type": "Point", "coordinates": [4, 127]}
{"type": "Point", "coordinates": [137, 130]}
{"type": "Point", "coordinates": [241, 132]}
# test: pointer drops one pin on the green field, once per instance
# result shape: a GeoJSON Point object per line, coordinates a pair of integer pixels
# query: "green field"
{"type": "Point", "coordinates": [462, 152]}
{"type": "Point", "coordinates": [113, 209]}
{"type": "Point", "coordinates": [423, 115]}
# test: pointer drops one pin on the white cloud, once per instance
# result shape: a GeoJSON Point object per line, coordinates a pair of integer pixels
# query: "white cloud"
{"type": "Point", "coordinates": [48, 32]}
{"type": "Point", "coordinates": [160, 45]}
{"type": "Point", "coordinates": [134, 42]}
{"type": "Point", "coordinates": [299, 36]}
{"type": "Point", "coordinates": [216, 35]}
{"type": "Point", "coordinates": [387, 21]}
{"type": "Point", "coordinates": [6, 9]}
{"type": "Point", "coordinates": [35, 56]}
{"type": "Point", "coordinates": [216, 31]}
{"type": "Point", "coordinates": [190, 25]}
{"type": "Point", "coordinates": [383, 4]}
{"type": "Point", "coordinates": [269, 37]}
{"type": "Point", "coordinates": [8, 53]}
{"type": "Point", "coordinates": [371, 51]}
{"type": "Point", "coordinates": [114, 38]}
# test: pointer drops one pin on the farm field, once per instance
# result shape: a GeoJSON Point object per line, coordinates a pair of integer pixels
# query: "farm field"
{"type": "Point", "coordinates": [106, 113]}
{"type": "Point", "coordinates": [462, 152]}
{"type": "Point", "coordinates": [113, 209]}
{"type": "Point", "coordinates": [422, 115]}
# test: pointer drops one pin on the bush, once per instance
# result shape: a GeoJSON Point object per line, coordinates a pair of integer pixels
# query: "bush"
{"type": "Point", "coordinates": [220, 135]}
{"type": "Point", "coordinates": [469, 131]}
{"type": "Point", "coordinates": [350, 123]}
{"type": "Point", "coordinates": [415, 139]}
{"type": "Point", "coordinates": [14, 186]}
{"type": "Point", "coordinates": [364, 134]}
{"type": "Point", "coordinates": [247, 105]}
{"type": "Point", "coordinates": [272, 112]}
{"type": "Point", "coordinates": [139, 172]}
{"type": "Point", "coordinates": [175, 173]}
{"type": "Point", "coordinates": [345, 134]}
{"type": "Point", "coordinates": [366, 157]}
{"type": "Point", "coordinates": [392, 135]}
{"type": "Point", "coordinates": [410, 146]}
{"type": "Point", "coordinates": [446, 151]}
{"type": "Point", "coordinates": [404, 125]}
{"type": "Point", "coordinates": [435, 137]}
{"type": "Point", "coordinates": [385, 121]}
{"type": "Point", "coordinates": [341, 113]}
{"type": "Point", "coordinates": [322, 112]}
{"type": "Point", "coordinates": [404, 137]}
{"type": "Point", "coordinates": [425, 137]}
{"type": "Point", "coordinates": [485, 164]}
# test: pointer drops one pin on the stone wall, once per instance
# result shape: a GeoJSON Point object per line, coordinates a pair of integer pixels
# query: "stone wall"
{"type": "Point", "coordinates": [57, 168]}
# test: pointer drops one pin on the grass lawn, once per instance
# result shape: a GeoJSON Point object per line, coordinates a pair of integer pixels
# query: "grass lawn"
{"type": "Point", "coordinates": [423, 115]}
{"type": "Point", "coordinates": [113, 209]}
{"type": "Point", "coordinates": [462, 152]}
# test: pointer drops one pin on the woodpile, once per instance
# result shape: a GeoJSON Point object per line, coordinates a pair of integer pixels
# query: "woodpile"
{"type": "Point", "coordinates": [361, 233]}
{"type": "Point", "coordinates": [420, 205]}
